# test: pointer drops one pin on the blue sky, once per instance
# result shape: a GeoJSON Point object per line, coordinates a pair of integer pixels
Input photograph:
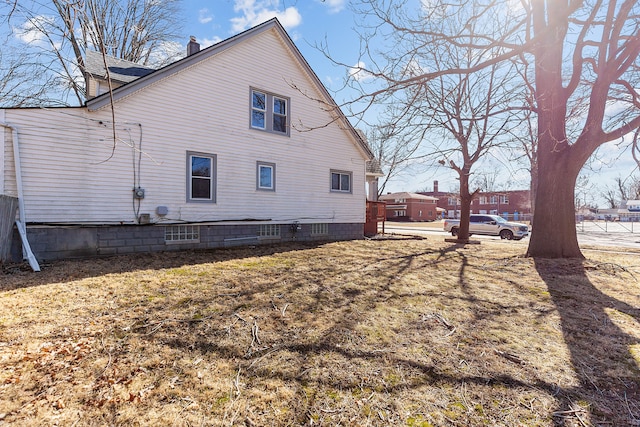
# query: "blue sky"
{"type": "Point", "coordinates": [308, 23]}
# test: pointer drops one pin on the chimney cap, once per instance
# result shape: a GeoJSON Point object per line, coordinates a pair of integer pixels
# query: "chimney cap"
{"type": "Point", "coordinates": [192, 46]}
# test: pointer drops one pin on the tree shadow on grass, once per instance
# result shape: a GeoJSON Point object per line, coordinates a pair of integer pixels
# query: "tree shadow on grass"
{"type": "Point", "coordinates": [608, 381]}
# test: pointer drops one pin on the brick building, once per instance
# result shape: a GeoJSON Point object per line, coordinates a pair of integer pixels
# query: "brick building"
{"type": "Point", "coordinates": [405, 206]}
{"type": "Point", "coordinates": [510, 204]}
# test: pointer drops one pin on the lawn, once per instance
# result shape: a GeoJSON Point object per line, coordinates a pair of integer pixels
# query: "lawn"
{"type": "Point", "coordinates": [407, 332]}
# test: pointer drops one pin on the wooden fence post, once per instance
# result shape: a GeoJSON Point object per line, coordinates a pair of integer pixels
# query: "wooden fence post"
{"type": "Point", "coordinates": [8, 206]}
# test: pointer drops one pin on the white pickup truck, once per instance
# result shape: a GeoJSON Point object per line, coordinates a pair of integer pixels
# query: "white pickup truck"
{"type": "Point", "coordinates": [490, 225]}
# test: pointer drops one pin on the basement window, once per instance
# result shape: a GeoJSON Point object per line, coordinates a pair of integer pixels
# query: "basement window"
{"type": "Point", "coordinates": [319, 229]}
{"type": "Point", "coordinates": [269, 231]}
{"type": "Point", "coordinates": [181, 234]}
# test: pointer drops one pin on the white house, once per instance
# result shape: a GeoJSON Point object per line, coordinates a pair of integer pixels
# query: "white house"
{"type": "Point", "coordinates": [631, 213]}
{"type": "Point", "coordinates": [234, 144]}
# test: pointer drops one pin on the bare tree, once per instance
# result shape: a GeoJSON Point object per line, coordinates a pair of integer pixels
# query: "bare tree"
{"type": "Point", "coordinates": [17, 88]}
{"type": "Point", "coordinates": [457, 119]}
{"type": "Point", "coordinates": [394, 153]}
{"type": "Point", "coordinates": [611, 198]}
{"type": "Point", "coordinates": [490, 181]}
{"type": "Point", "coordinates": [525, 148]}
{"type": "Point", "coordinates": [58, 32]}
{"type": "Point", "coordinates": [578, 106]}
{"type": "Point", "coordinates": [603, 41]}
{"type": "Point", "coordinates": [470, 110]}
{"type": "Point", "coordinates": [623, 190]}
{"type": "Point", "coordinates": [585, 193]}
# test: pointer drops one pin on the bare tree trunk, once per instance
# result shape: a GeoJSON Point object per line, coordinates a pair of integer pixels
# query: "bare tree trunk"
{"type": "Point", "coordinates": [553, 232]}
{"type": "Point", "coordinates": [465, 208]}
{"type": "Point", "coordinates": [533, 188]}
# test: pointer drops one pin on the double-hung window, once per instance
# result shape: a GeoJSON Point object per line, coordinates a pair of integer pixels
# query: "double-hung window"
{"type": "Point", "coordinates": [341, 181]}
{"type": "Point", "coordinates": [269, 112]}
{"type": "Point", "coordinates": [201, 177]}
{"type": "Point", "coordinates": [266, 176]}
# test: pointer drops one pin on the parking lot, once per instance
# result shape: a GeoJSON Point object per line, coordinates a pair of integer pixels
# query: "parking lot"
{"type": "Point", "coordinates": [590, 233]}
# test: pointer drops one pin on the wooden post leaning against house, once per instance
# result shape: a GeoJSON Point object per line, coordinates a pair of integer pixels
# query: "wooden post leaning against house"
{"type": "Point", "coordinates": [8, 207]}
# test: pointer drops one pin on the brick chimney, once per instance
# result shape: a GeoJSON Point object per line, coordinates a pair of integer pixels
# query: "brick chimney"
{"type": "Point", "coordinates": [193, 46]}
{"type": "Point", "coordinates": [435, 188]}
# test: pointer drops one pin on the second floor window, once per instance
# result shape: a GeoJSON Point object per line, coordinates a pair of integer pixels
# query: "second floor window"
{"type": "Point", "coordinates": [269, 112]}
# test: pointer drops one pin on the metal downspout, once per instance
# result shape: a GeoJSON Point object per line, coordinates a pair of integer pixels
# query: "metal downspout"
{"type": "Point", "coordinates": [21, 223]}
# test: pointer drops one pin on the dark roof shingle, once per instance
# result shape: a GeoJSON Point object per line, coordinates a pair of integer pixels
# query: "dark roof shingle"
{"type": "Point", "coordinates": [119, 69]}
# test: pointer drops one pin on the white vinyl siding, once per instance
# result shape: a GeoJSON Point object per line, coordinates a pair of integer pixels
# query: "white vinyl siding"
{"type": "Point", "coordinates": [74, 173]}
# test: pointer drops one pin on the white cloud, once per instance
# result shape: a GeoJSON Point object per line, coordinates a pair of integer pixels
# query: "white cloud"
{"type": "Point", "coordinates": [334, 6]}
{"type": "Point", "coordinates": [359, 73]}
{"type": "Point", "coordinates": [33, 30]}
{"type": "Point", "coordinates": [329, 81]}
{"type": "Point", "coordinates": [204, 43]}
{"type": "Point", "coordinates": [204, 16]}
{"type": "Point", "coordinates": [255, 12]}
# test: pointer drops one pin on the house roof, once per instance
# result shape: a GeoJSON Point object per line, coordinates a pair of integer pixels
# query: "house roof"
{"type": "Point", "coordinates": [120, 70]}
{"type": "Point", "coordinates": [270, 25]}
{"type": "Point", "coordinates": [406, 195]}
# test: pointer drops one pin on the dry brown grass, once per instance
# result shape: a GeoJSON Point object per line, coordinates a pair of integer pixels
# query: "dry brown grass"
{"type": "Point", "coordinates": [383, 332]}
